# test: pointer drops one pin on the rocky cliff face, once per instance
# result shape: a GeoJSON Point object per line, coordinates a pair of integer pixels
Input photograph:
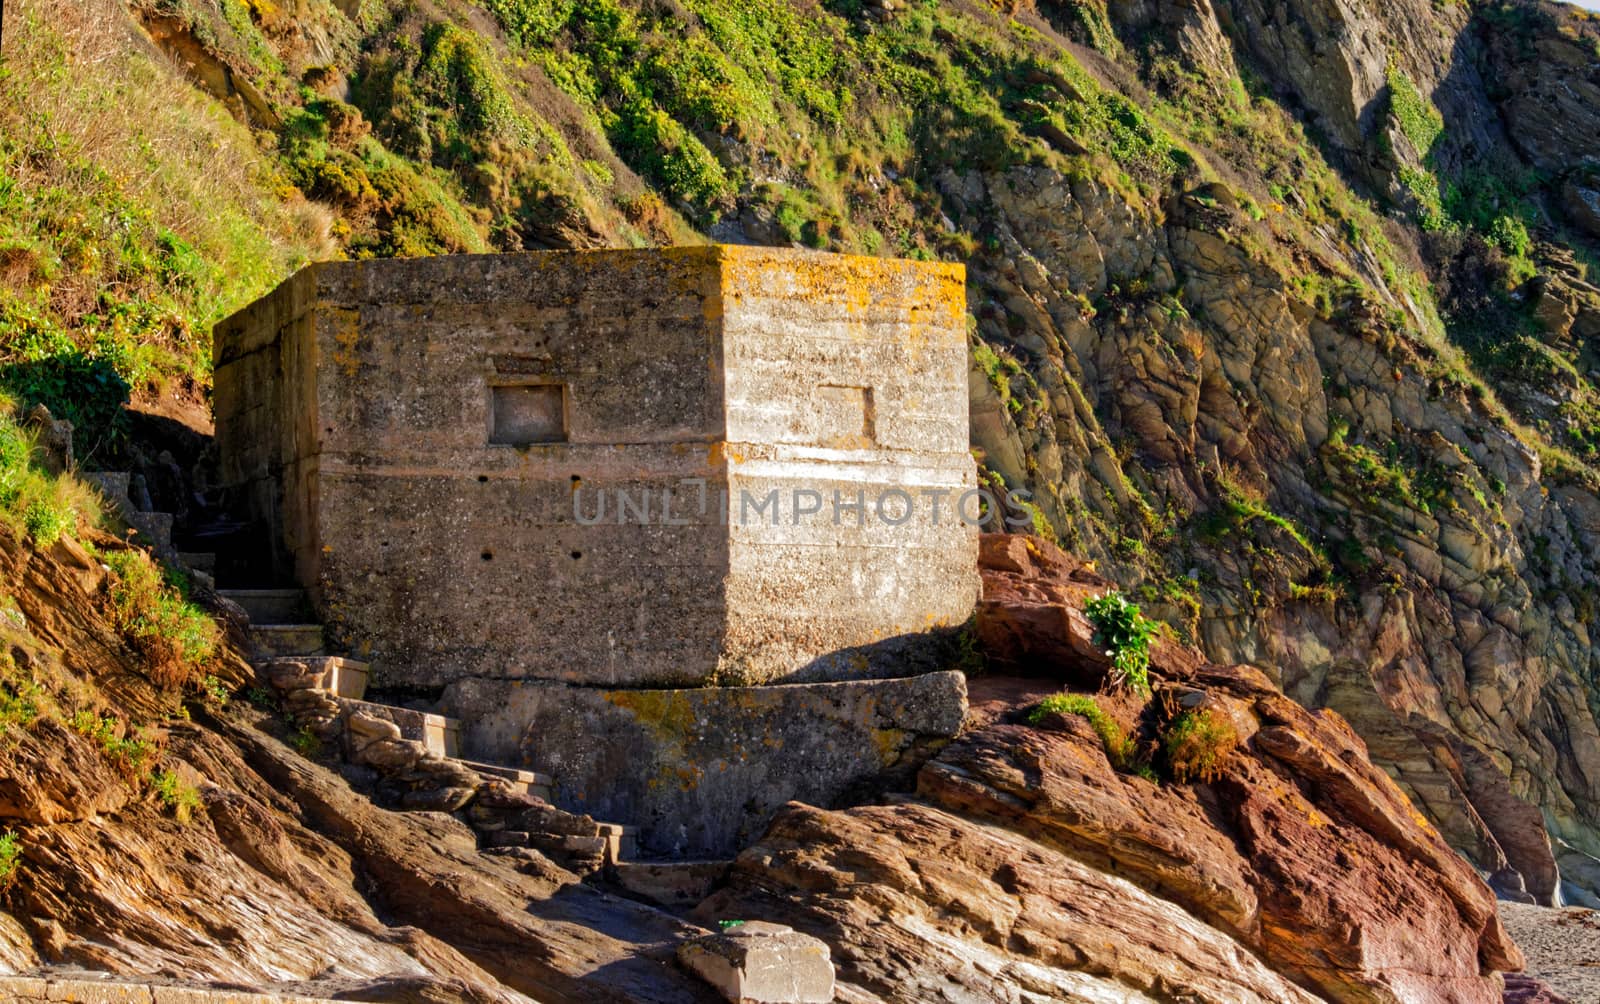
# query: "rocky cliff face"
{"type": "Point", "coordinates": [1285, 446]}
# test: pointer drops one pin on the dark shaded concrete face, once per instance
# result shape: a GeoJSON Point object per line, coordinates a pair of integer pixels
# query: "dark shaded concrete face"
{"type": "Point", "coordinates": [702, 771]}
{"type": "Point", "coordinates": [601, 467]}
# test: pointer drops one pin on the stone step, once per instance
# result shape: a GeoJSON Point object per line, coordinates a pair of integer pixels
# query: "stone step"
{"type": "Point", "coordinates": [341, 677]}
{"type": "Point", "coordinates": [271, 606]}
{"type": "Point", "coordinates": [597, 850]}
{"type": "Point", "coordinates": [278, 640]}
{"type": "Point", "coordinates": [200, 561]}
{"type": "Point", "coordinates": [670, 883]}
{"type": "Point", "coordinates": [441, 735]}
{"type": "Point", "coordinates": [610, 846]}
{"type": "Point", "coordinates": [527, 782]}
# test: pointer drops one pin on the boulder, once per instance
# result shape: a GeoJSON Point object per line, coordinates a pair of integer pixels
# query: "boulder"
{"type": "Point", "coordinates": [759, 963]}
{"type": "Point", "coordinates": [1581, 195]}
{"type": "Point", "coordinates": [393, 754]}
{"type": "Point", "coordinates": [368, 727]}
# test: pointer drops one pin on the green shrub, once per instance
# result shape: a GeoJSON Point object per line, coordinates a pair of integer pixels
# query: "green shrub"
{"type": "Point", "coordinates": [175, 637]}
{"type": "Point", "coordinates": [84, 389]}
{"type": "Point", "coordinates": [215, 690]}
{"type": "Point", "coordinates": [1424, 189]}
{"type": "Point", "coordinates": [1119, 750]}
{"type": "Point", "coordinates": [45, 507]}
{"type": "Point", "coordinates": [130, 752]}
{"type": "Point", "coordinates": [1415, 114]}
{"type": "Point", "coordinates": [306, 743]}
{"type": "Point", "coordinates": [16, 449]}
{"type": "Point", "coordinates": [1197, 743]}
{"type": "Point", "coordinates": [969, 657]}
{"type": "Point", "coordinates": [457, 73]}
{"type": "Point", "coordinates": [659, 144]}
{"type": "Point", "coordinates": [1124, 633]}
{"type": "Point", "coordinates": [532, 23]}
{"type": "Point", "coordinates": [10, 857]}
{"type": "Point", "coordinates": [47, 522]}
{"type": "Point", "coordinates": [1511, 235]}
{"type": "Point", "coordinates": [176, 794]}
{"type": "Point", "coordinates": [19, 705]}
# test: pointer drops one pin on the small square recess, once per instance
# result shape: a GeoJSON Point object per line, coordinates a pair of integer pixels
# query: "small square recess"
{"type": "Point", "coordinates": [532, 413]}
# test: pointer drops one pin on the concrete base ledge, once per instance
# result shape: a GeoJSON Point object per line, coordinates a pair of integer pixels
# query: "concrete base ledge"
{"type": "Point", "coordinates": [114, 990]}
{"type": "Point", "coordinates": [702, 771]}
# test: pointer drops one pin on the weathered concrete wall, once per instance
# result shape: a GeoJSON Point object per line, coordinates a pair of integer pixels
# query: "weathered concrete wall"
{"type": "Point", "coordinates": [266, 420]}
{"type": "Point", "coordinates": [702, 771]}
{"type": "Point", "coordinates": [416, 432]}
{"type": "Point", "coordinates": [847, 383]}
{"type": "Point", "coordinates": [435, 551]}
{"type": "Point", "coordinates": [452, 554]}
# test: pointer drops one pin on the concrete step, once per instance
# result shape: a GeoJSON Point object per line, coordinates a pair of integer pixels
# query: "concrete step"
{"type": "Point", "coordinates": [200, 561]}
{"type": "Point", "coordinates": [114, 486]}
{"type": "Point", "coordinates": [271, 606]}
{"type": "Point", "coordinates": [669, 883]}
{"type": "Point", "coordinates": [622, 842]}
{"type": "Point", "coordinates": [155, 530]}
{"type": "Point", "coordinates": [441, 735]}
{"type": "Point", "coordinates": [527, 782]}
{"type": "Point", "coordinates": [277, 640]}
{"type": "Point", "coordinates": [341, 677]}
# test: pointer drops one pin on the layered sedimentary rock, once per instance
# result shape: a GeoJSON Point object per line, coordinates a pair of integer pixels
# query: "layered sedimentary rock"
{"type": "Point", "coordinates": [1297, 872]}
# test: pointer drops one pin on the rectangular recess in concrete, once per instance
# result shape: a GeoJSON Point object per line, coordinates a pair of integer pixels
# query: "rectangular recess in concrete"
{"type": "Point", "coordinates": [845, 417]}
{"type": "Point", "coordinates": [527, 413]}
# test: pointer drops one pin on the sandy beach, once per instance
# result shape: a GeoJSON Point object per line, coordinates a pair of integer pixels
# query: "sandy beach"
{"type": "Point", "coordinates": [1562, 947]}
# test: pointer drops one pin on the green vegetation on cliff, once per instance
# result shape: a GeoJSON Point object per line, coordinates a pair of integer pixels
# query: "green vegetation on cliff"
{"type": "Point", "coordinates": [134, 213]}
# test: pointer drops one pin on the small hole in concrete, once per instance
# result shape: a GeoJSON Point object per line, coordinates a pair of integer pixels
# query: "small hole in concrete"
{"type": "Point", "coordinates": [576, 479]}
{"type": "Point", "coordinates": [483, 479]}
{"type": "Point", "coordinates": [486, 556]}
{"type": "Point", "coordinates": [576, 555]}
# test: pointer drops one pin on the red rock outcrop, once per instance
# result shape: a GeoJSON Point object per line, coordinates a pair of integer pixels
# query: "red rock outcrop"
{"type": "Point", "coordinates": [1027, 860]}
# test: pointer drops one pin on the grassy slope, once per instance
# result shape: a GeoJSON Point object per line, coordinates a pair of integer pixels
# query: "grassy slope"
{"type": "Point", "coordinates": [133, 214]}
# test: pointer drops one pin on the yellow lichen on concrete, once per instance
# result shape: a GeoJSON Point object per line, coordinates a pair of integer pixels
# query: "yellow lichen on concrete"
{"type": "Point", "coordinates": [346, 325]}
